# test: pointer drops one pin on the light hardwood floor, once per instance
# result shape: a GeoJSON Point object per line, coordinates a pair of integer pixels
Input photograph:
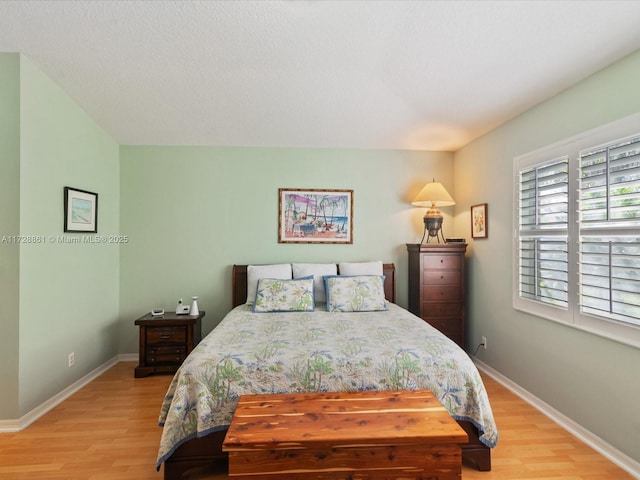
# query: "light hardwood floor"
{"type": "Point", "coordinates": [108, 431]}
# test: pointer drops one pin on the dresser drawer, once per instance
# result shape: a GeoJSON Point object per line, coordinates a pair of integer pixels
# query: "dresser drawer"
{"type": "Point", "coordinates": [444, 293]}
{"type": "Point", "coordinates": [166, 336]}
{"type": "Point", "coordinates": [166, 354]}
{"type": "Point", "coordinates": [441, 309]}
{"type": "Point", "coordinates": [451, 327]}
{"type": "Point", "coordinates": [441, 277]}
{"type": "Point", "coordinates": [450, 262]}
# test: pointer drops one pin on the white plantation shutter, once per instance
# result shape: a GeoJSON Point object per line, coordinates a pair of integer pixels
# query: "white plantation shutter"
{"type": "Point", "coordinates": [610, 185]}
{"type": "Point", "coordinates": [609, 208]}
{"type": "Point", "coordinates": [543, 222]}
{"type": "Point", "coordinates": [610, 278]}
{"type": "Point", "coordinates": [577, 232]}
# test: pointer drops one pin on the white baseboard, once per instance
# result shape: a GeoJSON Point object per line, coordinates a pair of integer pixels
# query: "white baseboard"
{"type": "Point", "coordinates": [616, 456]}
{"type": "Point", "coordinates": [7, 426]}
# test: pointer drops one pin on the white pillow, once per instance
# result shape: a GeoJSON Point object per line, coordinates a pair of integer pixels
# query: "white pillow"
{"type": "Point", "coordinates": [361, 268]}
{"type": "Point", "coordinates": [256, 272]}
{"type": "Point", "coordinates": [318, 270]}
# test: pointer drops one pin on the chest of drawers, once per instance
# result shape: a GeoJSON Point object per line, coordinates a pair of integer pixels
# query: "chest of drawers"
{"type": "Point", "coordinates": [437, 287]}
{"type": "Point", "coordinates": [166, 341]}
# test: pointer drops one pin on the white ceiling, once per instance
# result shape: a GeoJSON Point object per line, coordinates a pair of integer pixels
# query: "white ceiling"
{"type": "Point", "coordinates": [428, 75]}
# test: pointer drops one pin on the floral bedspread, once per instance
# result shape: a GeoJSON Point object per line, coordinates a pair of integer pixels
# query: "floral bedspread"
{"type": "Point", "coordinates": [252, 353]}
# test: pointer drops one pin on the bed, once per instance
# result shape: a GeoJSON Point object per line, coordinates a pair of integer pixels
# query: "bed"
{"type": "Point", "coordinates": [318, 350]}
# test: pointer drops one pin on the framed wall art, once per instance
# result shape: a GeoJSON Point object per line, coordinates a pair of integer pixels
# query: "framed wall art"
{"type": "Point", "coordinates": [479, 224]}
{"type": "Point", "coordinates": [80, 211]}
{"type": "Point", "coordinates": [315, 216]}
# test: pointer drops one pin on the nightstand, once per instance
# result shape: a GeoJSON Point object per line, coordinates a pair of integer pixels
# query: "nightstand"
{"type": "Point", "coordinates": [165, 341]}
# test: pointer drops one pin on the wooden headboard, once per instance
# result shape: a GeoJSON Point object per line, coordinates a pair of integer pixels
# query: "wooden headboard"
{"type": "Point", "coordinates": [239, 283]}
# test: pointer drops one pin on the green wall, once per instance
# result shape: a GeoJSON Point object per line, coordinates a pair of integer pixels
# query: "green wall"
{"type": "Point", "coordinates": [590, 379]}
{"type": "Point", "coordinates": [9, 227]}
{"type": "Point", "coordinates": [190, 213]}
{"type": "Point", "coordinates": [67, 293]}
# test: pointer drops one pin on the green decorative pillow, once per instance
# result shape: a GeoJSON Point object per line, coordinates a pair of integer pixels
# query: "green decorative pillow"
{"type": "Point", "coordinates": [361, 293]}
{"type": "Point", "coordinates": [278, 295]}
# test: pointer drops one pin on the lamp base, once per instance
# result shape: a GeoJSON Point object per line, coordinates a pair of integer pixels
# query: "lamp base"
{"type": "Point", "coordinates": [437, 236]}
{"type": "Point", "coordinates": [433, 225]}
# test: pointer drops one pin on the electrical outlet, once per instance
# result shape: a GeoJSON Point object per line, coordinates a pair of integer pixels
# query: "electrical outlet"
{"type": "Point", "coordinates": [72, 359]}
{"type": "Point", "coordinates": [484, 342]}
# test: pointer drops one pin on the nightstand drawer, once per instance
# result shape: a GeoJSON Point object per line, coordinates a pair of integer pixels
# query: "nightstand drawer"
{"type": "Point", "coordinates": [166, 354]}
{"type": "Point", "coordinates": [450, 262]}
{"type": "Point", "coordinates": [444, 293]}
{"type": "Point", "coordinates": [166, 335]}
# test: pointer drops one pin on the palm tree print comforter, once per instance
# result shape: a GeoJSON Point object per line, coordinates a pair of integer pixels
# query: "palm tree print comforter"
{"type": "Point", "coordinates": [249, 353]}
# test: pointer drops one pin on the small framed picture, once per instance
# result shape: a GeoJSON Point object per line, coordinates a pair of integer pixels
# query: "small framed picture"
{"type": "Point", "coordinates": [80, 211]}
{"type": "Point", "coordinates": [479, 224]}
{"type": "Point", "coordinates": [315, 216]}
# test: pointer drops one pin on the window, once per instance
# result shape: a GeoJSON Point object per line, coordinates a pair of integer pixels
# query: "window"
{"type": "Point", "coordinates": [577, 239]}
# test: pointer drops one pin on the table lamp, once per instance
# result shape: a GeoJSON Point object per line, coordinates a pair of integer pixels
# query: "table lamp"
{"type": "Point", "coordinates": [433, 195]}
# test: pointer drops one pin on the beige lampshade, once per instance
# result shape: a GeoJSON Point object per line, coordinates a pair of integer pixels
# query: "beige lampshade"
{"type": "Point", "coordinates": [433, 194]}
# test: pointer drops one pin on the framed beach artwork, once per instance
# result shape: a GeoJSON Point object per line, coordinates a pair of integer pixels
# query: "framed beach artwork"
{"type": "Point", "coordinates": [315, 216]}
{"type": "Point", "coordinates": [479, 225]}
{"type": "Point", "coordinates": [80, 211]}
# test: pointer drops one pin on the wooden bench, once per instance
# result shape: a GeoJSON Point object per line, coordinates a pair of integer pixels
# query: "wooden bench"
{"type": "Point", "coordinates": [399, 435]}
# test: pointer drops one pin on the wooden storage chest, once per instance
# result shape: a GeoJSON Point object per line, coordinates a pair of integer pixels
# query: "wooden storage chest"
{"type": "Point", "coordinates": [400, 435]}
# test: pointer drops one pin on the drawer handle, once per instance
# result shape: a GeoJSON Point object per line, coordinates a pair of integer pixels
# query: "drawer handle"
{"type": "Point", "coordinates": [164, 336]}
